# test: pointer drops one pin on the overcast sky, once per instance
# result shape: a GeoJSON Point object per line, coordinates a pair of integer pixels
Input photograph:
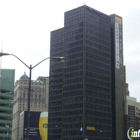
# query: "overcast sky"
{"type": "Point", "coordinates": [25, 27]}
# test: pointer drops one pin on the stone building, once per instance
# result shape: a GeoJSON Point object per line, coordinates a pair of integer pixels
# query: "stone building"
{"type": "Point", "coordinates": [38, 100]}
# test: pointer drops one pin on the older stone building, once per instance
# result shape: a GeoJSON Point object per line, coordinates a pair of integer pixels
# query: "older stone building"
{"type": "Point", "coordinates": [38, 102]}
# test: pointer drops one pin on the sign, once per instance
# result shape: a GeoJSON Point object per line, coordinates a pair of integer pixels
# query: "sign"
{"type": "Point", "coordinates": [118, 42]}
{"type": "Point", "coordinates": [38, 126]}
{"type": "Point", "coordinates": [91, 128]}
{"type": "Point", "coordinates": [132, 134]}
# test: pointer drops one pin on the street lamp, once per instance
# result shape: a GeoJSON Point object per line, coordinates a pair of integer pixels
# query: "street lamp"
{"type": "Point", "coordinates": [61, 59]}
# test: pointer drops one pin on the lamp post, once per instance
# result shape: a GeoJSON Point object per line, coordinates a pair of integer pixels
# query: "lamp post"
{"type": "Point", "coordinates": [62, 59]}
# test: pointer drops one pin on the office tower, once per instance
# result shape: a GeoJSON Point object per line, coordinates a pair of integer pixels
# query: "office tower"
{"type": "Point", "coordinates": [7, 77]}
{"type": "Point", "coordinates": [117, 77]}
{"type": "Point", "coordinates": [132, 114]}
{"type": "Point", "coordinates": [85, 90]}
{"type": "Point", "coordinates": [38, 100]}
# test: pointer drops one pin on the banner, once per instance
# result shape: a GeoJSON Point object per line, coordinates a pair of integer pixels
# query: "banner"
{"type": "Point", "coordinates": [38, 126]}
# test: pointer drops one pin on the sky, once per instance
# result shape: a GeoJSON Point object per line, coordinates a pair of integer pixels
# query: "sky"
{"type": "Point", "coordinates": [25, 27]}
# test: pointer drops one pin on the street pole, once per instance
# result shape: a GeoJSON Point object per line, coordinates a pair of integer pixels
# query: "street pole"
{"type": "Point", "coordinates": [61, 59]}
{"type": "Point", "coordinates": [29, 95]}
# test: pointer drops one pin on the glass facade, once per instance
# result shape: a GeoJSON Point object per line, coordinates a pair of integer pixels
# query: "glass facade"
{"type": "Point", "coordinates": [56, 88]}
{"type": "Point", "coordinates": [6, 106]}
{"type": "Point", "coordinates": [97, 75]}
{"type": "Point", "coordinates": [80, 100]}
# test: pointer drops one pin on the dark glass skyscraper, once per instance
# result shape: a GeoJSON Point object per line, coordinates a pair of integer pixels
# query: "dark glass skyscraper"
{"type": "Point", "coordinates": [83, 94]}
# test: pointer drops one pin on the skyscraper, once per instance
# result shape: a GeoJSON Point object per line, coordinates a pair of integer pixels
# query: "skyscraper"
{"type": "Point", "coordinates": [85, 90]}
{"type": "Point", "coordinates": [7, 77]}
{"type": "Point", "coordinates": [118, 81]}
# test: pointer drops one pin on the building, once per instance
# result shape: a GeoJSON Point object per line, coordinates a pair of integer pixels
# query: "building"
{"type": "Point", "coordinates": [132, 114]}
{"type": "Point", "coordinates": [39, 97]}
{"type": "Point", "coordinates": [7, 77]}
{"type": "Point", "coordinates": [126, 85]}
{"type": "Point", "coordinates": [86, 92]}
{"type": "Point", "coordinates": [38, 125]}
{"type": "Point", "coordinates": [46, 81]}
{"type": "Point", "coordinates": [117, 77]}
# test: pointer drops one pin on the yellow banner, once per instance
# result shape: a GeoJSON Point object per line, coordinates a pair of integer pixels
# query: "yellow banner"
{"type": "Point", "coordinates": [118, 20]}
{"type": "Point", "coordinates": [91, 128]}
